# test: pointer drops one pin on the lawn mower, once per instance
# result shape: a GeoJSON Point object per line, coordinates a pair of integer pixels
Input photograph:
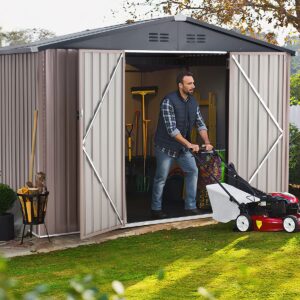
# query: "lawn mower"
{"type": "Point", "coordinates": [251, 208]}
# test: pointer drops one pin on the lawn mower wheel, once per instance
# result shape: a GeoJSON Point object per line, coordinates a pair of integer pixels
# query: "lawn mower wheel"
{"type": "Point", "coordinates": [243, 223]}
{"type": "Point", "coordinates": [290, 224]}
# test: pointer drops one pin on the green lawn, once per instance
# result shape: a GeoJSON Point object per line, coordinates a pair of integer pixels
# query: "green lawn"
{"type": "Point", "coordinates": [228, 264]}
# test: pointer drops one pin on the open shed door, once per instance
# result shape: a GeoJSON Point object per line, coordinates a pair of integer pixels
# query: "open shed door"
{"type": "Point", "coordinates": [258, 123]}
{"type": "Point", "coordinates": [102, 185]}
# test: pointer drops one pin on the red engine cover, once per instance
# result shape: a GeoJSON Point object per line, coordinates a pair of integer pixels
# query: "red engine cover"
{"type": "Point", "coordinates": [263, 223]}
{"type": "Point", "coordinates": [289, 197]}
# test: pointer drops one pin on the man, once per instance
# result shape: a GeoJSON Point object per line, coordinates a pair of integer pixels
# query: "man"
{"type": "Point", "coordinates": [179, 112]}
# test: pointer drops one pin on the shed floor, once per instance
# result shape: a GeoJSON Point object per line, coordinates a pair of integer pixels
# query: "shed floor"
{"type": "Point", "coordinates": [139, 208]}
{"type": "Point", "coordinates": [139, 203]}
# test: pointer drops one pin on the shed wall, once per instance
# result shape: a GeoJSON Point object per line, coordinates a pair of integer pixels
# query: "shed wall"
{"type": "Point", "coordinates": [18, 100]}
{"type": "Point", "coordinates": [60, 102]}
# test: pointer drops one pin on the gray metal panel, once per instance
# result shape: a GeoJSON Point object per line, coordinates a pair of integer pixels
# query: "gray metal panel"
{"type": "Point", "coordinates": [58, 138]}
{"type": "Point", "coordinates": [60, 41]}
{"type": "Point", "coordinates": [18, 100]}
{"type": "Point", "coordinates": [136, 36]}
{"type": "Point", "coordinates": [202, 38]}
{"type": "Point", "coordinates": [134, 39]}
{"type": "Point", "coordinates": [252, 131]}
{"type": "Point", "coordinates": [102, 192]}
{"type": "Point", "coordinates": [182, 36]}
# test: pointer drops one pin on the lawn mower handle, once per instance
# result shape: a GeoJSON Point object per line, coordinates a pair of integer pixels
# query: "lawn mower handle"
{"type": "Point", "coordinates": [231, 198]}
{"type": "Point", "coordinates": [230, 167]}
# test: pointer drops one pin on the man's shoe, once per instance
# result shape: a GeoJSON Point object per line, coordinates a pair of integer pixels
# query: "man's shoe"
{"type": "Point", "coordinates": [158, 214]}
{"type": "Point", "coordinates": [192, 212]}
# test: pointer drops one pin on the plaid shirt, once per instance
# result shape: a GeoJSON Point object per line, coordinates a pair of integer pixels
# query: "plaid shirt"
{"type": "Point", "coordinates": [170, 122]}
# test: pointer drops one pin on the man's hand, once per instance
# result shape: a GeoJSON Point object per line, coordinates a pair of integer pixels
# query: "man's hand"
{"type": "Point", "coordinates": [208, 147]}
{"type": "Point", "coordinates": [194, 147]}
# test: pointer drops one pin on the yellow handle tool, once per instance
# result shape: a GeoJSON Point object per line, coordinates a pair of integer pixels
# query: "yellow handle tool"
{"type": "Point", "coordinates": [129, 128]}
{"type": "Point", "coordinates": [145, 142]}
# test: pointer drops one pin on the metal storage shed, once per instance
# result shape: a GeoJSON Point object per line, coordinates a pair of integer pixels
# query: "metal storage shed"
{"type": "Point", "coordinates": [82, 77]}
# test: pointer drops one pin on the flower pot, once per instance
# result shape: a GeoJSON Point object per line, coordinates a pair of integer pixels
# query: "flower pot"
{"type": "Point", "coordinates": [6, 227]}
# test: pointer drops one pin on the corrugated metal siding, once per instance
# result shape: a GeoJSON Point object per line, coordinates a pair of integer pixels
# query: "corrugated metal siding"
{"type": "Point", "coordinates": [18, 100]}
{"type": "Point", "coordinates": [58, 138]}
{"type": "Point", "coordinates": [104, 143]}
{"type": "Point", "coordinates": [251, 131]}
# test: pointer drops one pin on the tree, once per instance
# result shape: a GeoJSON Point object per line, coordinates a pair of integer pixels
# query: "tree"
{"type": "Point", "coordinates": [295, 89]}
{"type": "Point", "coordinates": [294, 44]}
{"type": "Point", "coordinates": [24, 36]}
{"type": "Point", "coordinates": [294, 155]}
{"type": "Point", "coordinates": [244, 15]}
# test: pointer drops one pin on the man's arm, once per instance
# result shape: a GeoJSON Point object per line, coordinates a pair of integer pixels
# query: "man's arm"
{"type": "Point", "coordinates": [179, 138]}
{"type": "Point", "coordinates": [204, 136]}
{"type": "Point", "coordinates": [202, 129]}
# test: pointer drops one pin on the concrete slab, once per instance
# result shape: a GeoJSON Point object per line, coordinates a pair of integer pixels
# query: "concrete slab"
{"type": "Point", "coordinates": [42, 245]}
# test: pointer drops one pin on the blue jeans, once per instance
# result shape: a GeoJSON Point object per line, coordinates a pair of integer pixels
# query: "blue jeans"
{"type": "Point", "coordinates": [163, 164]}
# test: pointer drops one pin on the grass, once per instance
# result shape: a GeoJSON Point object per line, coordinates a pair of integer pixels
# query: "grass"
{"type": "Point", "coordinates": [228, 264]}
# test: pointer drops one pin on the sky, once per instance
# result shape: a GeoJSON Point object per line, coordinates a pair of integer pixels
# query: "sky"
{"type": "Point", "coordinates": [59, 16]}
{"type": "Point", "coordinates": [64, 16]}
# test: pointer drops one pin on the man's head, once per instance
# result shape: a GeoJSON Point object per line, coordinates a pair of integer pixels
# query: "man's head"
{"type": "Point", "coordinates": [185, 83]}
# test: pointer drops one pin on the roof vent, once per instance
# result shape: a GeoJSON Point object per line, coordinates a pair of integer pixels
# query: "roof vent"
{"type": "Point", "coordinates": [158, 37]}
{"type": "Point", "coordinates": [163, 37]}
{"type": "Point", "coordinates": [153, 37]}
{"type": "Point", "coordinates": [192, 38]}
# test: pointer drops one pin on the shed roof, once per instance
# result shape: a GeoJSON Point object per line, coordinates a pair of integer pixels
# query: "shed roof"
{"type": "Point", "coordinates": [178, 33]}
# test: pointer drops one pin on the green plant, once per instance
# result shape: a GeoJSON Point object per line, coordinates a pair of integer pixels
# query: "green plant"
{"type": "Point", "coordinates": [294, 163]}
{"type": "Point", "coordinates": [7, 197]}
{"type": "Point", "coordinates": [295, 89]}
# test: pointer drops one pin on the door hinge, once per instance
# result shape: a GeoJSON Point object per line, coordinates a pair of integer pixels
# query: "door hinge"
{"type": "Point", "coordinates": [79, 114]}
{"type": "Point", "coordinates": [227, 63]}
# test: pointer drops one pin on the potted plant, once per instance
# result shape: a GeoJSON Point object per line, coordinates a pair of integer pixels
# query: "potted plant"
{"type": "Point", "coordinates": [7, 198]}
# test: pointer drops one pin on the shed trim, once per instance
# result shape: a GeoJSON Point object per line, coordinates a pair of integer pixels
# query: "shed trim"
{"type": "Point", "coordinates": [175, 51]}
{"type": "Point", "coordinates": [170, 220]}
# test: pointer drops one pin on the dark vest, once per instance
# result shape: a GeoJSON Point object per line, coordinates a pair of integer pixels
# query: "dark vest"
{"type": "Point", "coordinates": [185, 115]}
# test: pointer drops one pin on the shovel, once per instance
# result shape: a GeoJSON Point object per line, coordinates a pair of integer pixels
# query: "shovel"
{"type": "Point", "coordinates": [129, 128]}
{"type": "Point", "coordinates": [143, 182]}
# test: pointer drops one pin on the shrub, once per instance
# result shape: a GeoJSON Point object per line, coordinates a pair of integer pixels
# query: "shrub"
{"type": "Point", "coordinates": [7, 198]}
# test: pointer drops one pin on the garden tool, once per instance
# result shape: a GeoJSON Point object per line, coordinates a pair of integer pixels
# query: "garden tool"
{"type": "Point", "coordinates": [143, 91]}
{"type": "Point", "coordinates": [33, 143]}
{"type": "Point", "coordinates": [129, 128]}
{"type": "Point", "coordinates": [137, 120]}
{"type": "Point", "coordinates": [143, 183]}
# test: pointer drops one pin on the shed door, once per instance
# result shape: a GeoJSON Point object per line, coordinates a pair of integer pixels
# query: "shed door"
{"type": "Point", "coordinates": [258, 123]}
{"type": "Point", "coordinates": [102, 186]}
